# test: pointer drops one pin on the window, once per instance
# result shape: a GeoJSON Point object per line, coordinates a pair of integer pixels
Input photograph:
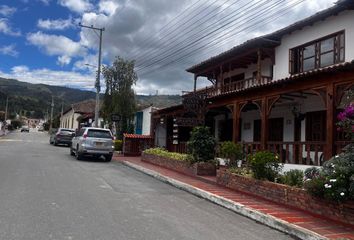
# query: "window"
{"type": "Point", "coordinates": [320, 53]}
{"type": "Point", "coordinates": [98, 133]}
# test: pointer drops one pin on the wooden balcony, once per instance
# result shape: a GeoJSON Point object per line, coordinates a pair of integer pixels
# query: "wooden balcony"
{"type": "Point", "coordinates": [237, 86]}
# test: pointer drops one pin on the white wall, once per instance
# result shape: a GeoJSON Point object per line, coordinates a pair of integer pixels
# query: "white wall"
{"type": "Point", "coordinates": [69, 120]}
{"type": "Point", "coordinates": [146, 121]}
{"type": "Point", "coordinates": [344, 21]}
{"type": "Point", "coordinates": [160, 135]}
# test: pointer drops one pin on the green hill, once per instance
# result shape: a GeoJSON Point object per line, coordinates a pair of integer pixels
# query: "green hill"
{"type": "Point", "coordinates": [33, 100]}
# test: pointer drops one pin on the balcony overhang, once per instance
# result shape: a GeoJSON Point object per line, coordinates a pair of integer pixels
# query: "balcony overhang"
{"type": "Point", "coordinates": [237, 57]}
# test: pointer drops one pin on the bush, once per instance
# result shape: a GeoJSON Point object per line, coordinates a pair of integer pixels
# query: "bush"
{"type": "Point", "coordinates": [336, 179]}
{"type": "Point", "coordinates": [232, 151]}
{"type": "Point", "coordinates": [311, 173]}
{"type": "Point", "coordinates": [265, 165]}
{"type": "Point", "coordinates": [163, 153]}
{"type": "Point", "coordinates": [118, 145]}
{"type": "Point", "coordinates": [293, 177]}
{"type": "Point", "coordinates": [201, 145]}
{"type": "Point", "coordinates": [242, 171]}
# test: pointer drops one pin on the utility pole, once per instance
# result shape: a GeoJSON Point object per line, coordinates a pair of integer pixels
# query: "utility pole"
{"type": "Point", "coordinates": [97, 84]}
{"type": "Point", "coordinates": [51, 115]}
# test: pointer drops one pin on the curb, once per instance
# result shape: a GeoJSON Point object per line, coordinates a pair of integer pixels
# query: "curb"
{"type": "Point", "coordinates": [265, 219]}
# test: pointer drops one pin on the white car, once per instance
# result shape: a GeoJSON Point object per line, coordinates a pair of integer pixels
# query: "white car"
{"type": "Point", "coordinates": [94, 142]}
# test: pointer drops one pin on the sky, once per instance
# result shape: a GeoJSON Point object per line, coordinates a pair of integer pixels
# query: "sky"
{"type": "Point", "coordinates": [41, 40]}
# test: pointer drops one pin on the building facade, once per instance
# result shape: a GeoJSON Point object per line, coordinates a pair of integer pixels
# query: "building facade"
{"type": "Point", "coordinates": [280, 92]}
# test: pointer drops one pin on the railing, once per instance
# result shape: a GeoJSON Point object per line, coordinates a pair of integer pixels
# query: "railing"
{"type": "Point", "coordinates": [181, 147]}
{"type": "Point", "coordinates": [233, 87]}
{"type": "Point", "coordinates": [307, 153]}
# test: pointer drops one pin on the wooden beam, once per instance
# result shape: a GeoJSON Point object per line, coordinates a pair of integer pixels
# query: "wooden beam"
{"type": "Point", "coordinates": [330, 119]}
{"type": "Point", "coordinates": [294, 95]}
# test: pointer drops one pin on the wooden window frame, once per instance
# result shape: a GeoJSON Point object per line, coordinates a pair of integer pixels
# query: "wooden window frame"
{"type": "Point", "coordinates": [296, 54]}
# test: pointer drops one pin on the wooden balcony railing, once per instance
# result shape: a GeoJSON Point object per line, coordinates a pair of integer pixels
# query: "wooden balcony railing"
{"type": "Point", "coordinates": [307, 153]}
{"type": "Point", "coordinates": [232, 87]}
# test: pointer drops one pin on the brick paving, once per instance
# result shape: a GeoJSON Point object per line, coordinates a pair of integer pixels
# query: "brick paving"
{"type": "Point", "coordinates": [326, 228]}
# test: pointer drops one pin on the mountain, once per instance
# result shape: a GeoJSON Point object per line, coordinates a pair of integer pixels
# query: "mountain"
{"type": "Point", "coordinates": [34, 100]}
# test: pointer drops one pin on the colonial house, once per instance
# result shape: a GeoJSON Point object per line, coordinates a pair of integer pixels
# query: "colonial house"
{"type": "Point", "coordinates": [79, 114]}
{"type": "Point", "coordinates": [280, 92]}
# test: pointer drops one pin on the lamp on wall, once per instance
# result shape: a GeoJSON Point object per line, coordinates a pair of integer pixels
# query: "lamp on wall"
{"type": "Point", "coordinates": [297, 113]}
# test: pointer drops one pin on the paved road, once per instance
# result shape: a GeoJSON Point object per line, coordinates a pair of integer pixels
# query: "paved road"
{"type": "Point", "coordinates": [46, 194]}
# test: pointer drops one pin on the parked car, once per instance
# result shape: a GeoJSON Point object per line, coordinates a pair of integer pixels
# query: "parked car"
{"type": "Point", "coordinates": [62, 136]}
{"type": "Point", "coordinates": [25, 129]}
{"type": "Point", "coordinates": [93, 141]}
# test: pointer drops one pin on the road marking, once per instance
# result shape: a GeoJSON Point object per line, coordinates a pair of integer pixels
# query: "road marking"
{"type": "Point", "coordinates": [11, 140]}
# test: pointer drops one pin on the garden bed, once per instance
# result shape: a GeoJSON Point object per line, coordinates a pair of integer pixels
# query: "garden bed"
{"type": "Point", "coordinates": [290, 196]}
{"type": "Point", "coordinates": [202, 169]}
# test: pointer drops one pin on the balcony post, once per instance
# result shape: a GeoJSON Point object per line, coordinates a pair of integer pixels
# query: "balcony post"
{"type": "Point", "coordinates": [330, 121]}
{"type": "Point", "coordinates": [195, 82]}
{"type": "Point", "coordinates": [259, 65]}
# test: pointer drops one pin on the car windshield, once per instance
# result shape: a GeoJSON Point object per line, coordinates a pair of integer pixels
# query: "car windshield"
{"type": "Point", "coordinates": [98, 133]}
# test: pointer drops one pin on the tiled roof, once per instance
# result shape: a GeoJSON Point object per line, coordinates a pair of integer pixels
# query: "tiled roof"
{"type": "Point", "coordinates": [129, 135]}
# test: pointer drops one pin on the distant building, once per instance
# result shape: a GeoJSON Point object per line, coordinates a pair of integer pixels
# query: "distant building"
{"type": "Point", "coordinates": [79, 114]}
{"type": "Point", "coordinates": [142, 120]}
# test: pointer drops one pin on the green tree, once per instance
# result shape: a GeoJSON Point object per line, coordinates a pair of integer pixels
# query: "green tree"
{"type": "Point", "coordinates": [119, 97]}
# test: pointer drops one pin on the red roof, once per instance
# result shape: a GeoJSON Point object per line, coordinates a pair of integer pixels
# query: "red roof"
{"type": "Point", "coordinates": [129, 135]}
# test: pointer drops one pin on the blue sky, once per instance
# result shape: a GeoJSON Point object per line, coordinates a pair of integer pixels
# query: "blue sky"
{"type": "Point", "coordinates": [40, 41]}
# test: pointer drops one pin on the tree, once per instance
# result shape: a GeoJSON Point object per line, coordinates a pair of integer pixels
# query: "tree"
{"type": "Point", "coordinates": [119, 97]}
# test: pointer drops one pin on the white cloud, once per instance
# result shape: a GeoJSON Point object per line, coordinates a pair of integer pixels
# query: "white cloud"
{"type": "Point", "coordinates": [9, 50]}
{"type": "Point", "coordinates": [56, 24]}
{"type": "Point", "coordinates": [63, 60]}
{"type": "Point", "coordinates": [108, 7]}
{"type": "Point", "coordinates": [78, 6]}
{"type": "Point", "coordinates": [50, 77]}
{"type": "Point", "coordinates": [6, 10]}
{"type": "Point", "coordinates": [57, 45]}
{"type": "Point", "coordinates": [6, 29]}
{"type": "Point", "coordinates": [45, 2]}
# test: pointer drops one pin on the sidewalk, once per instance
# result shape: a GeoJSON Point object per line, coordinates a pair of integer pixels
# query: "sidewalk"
{"type": "Point", "coordinates": [293, 222]}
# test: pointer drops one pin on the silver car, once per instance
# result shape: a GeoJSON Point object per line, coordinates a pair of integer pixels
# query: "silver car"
{"type": "Point", "coordinates": [93, 141]}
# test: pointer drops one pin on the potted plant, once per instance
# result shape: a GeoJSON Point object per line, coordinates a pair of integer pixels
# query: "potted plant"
{"type": "Point", "coordinates": [232, 152]}
{"type": "Point", "coordinates": [201, 146]}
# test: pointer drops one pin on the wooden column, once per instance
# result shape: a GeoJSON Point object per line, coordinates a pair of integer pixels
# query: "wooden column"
{"type": "Point", "coordinates": [259, 65]}
{"type": "Point", "coordinates": [235, 122]}
{"type": "Point", "coordinates": [195, 82]}
{"type": "Point", "coordinates": [330, 119]}
{"type": "Point", "coordinates": [264, 128]}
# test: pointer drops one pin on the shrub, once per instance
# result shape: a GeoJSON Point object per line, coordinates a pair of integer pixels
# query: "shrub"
{"type": "Point", "coordinates": [265, 165]}
{"type": "Point", "coordinates": [312, 172]}
{"type": "Point", "coordinates": [243, 171]}
{"type": "Point", "coordinates": [201, 145]}
{"type": "Point", "coordinates": [336, 179]}
{"type": "Point", "coordinates": [118, 145]}
{"type": "Point", "coordinates": [232, 151]}
{"type": "Point", "coordinates": [293, 177]}
{"type": "Point", "coordinates": [164, 153]}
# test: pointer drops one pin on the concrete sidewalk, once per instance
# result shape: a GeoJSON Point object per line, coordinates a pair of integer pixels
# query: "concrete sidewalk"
{"type": "Point", "coordinates": [294, 222]}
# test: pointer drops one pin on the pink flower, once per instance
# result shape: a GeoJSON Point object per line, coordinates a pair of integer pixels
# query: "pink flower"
{"type": "Point", "coordinates": [341, 116]}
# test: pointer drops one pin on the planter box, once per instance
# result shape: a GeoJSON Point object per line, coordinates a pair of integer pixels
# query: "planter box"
{"type": "Point", "coordinates": [205, 169]}
{"type": "Point", "coordinates": [287, 195]}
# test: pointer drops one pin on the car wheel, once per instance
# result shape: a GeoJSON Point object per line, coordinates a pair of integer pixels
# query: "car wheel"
{"type": "Point", "coordinates": [55, 143]}
{"type": "Point", "coordinates": [71, 151]}
{"type": "Point", "coordinates": [77, 154]}
{"type": "Point", "coordinates": [108, 158]}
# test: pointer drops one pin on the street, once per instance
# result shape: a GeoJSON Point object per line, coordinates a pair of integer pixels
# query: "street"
{"type": "Point", "coordinates": [47, 194]}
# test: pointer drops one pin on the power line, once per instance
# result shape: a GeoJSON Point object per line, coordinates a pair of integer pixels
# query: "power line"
{"type": "Point", "coordinates": [274, 16]}
{"type": "Point", "coordinates": [209, 26]}
{"type": "Point", "coordinates": [190, 26]}
{"type": "Point", "coordinates": [150, 43]}
{"type": "Point", "coordinates": [192, 43]}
